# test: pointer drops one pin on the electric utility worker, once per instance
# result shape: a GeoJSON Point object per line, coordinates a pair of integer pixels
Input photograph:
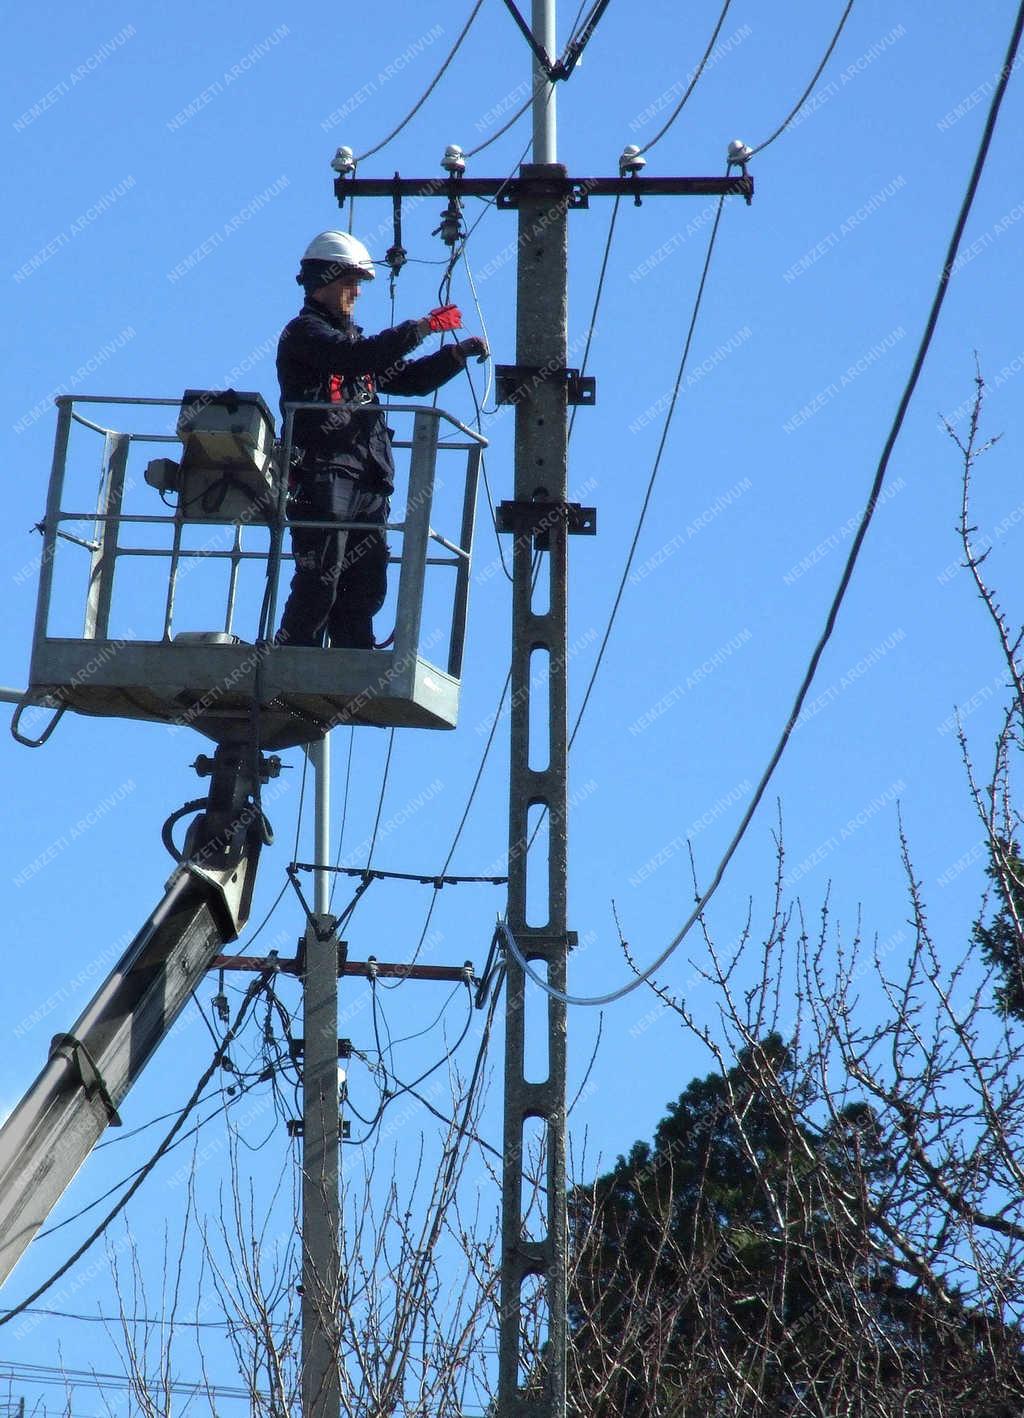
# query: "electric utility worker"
{"type": "Point", "coordinates": [342, 469]}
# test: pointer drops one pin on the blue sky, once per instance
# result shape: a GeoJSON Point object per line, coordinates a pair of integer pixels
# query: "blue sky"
{"type": "Point", "coordinates": [166, 169]}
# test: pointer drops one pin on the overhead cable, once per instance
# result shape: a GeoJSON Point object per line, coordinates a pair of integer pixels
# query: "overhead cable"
{"type": "Point", "coordinates": [654, 471]}
{"type": "Point", "coordinates": [144, 1171]}
{"type": "Point", "coordinates": [429, 90]}
{"type": "Point", "coordinates": [693, 81]}
{"type": "Point", "coordinates": [844, 581]}
{"type": "Point", "coordinates": [597, 301]}
{"type": "Point", "coordinates": [760, 147]}
{"type": "Point", "coordinates": [574, 49]}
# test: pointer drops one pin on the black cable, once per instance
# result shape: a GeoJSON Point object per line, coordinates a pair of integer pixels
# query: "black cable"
{"type": "Point", "coordinates": [578, 43]}
{"type": "Point", "coordinates": [472, 152]}
{"type": "Point", "coordinates": [430, 88]}
{"type": "Point", "coordinates": [380, 800]}
{"type": "Point", "coordinates": [653, 477]}
{"type": "Point", "coordinates": [408, 1038]}
{"type": "Point", "coordinates": [693, 82]}
{"type": "Point", "coordinates": [597, 301]}
{"type": "Point", "coordinates": [349, 910]}
{"type": "Point", "coordinates": [817, 75]}
{"type": "Point", "coordinates": [575, 24]}
{"type": "Point", "coordinates": [388, 1096]}
{"type": "Point", "coordinates": [131, 1319]}
{"type": "Point", "coordinates": [854, 553]}
{"type": "Point", "coordinates": [144, 1172]}
{"type": "Point", "coordinates": [221, 1107]}
{"type": "Point", "coordinates": [462, 822]}
{"type": "Point", "coordinates": [348, 783]}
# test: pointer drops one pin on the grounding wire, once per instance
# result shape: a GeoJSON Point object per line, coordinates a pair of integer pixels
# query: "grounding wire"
{"type": "Point", "coordinates": [844, 581]}
{"type": "Point", "coordinates": [817, 75]}
{"type": "Point", "coordinates": [694, 80]}
{"type": "Point", "coordinates": [144, 1171]}
{"type": "Point", "coordinates": [430, 88]}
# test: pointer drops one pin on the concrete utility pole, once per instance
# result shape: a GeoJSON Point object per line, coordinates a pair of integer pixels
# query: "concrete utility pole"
{"type": "Point", "coordinates": [321, 1209]}
{"type": "Point", "coordinates": [321, 1219]}
{"type": "Point", "coordinates": [534, 1255]}
{"type": "Point", "coordinates": [537, 907]}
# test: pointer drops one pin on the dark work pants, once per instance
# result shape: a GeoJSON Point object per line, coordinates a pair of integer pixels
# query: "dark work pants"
{"type": "Point", "coordinates": [340, 579]}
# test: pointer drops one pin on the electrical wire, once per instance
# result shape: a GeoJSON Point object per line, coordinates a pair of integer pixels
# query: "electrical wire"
{"type": "Point", "coordinates": [144, 1171]}
{"type": "Point", "coordinates": [577, 43]}
{"type": "Point", "coordinates": [654, 472]}
{"type": "Point", "coordinates": [131, 1319]}
{"type": "Point", "coordinates": [430, 88]}
{"type": "Point", "coordinates": [847, 574]}
{"type": "Point", "coordinates": [462, 821]}
{"type": "Point", "coordinates": [472, 152]}
{"type": "Point", "coordinates": [597, 301]}
{"type": "Point", "coordinates": [693, 82]}
{"type": "Point", "coordinates": [220, 1108]}
{"type": "Point", "coordinates": [348, 776]}
{"type": "Point", "coordinates": [817, 75]}
{"type": "Point", "coordinates": [388, 1095]}
{"type": "Point", "coordinates": [380, 800]}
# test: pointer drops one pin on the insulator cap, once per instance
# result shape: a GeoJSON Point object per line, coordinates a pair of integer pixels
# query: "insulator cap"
{"type": "Point", "coordinates": [454, 159]}
{"type": "Point", "coordinates": [631, 160]}
{"type": "Point", "coordinates": [343, 161]}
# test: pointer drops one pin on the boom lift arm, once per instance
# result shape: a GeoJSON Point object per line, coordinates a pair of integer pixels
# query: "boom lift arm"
{"type": "Point", "coordinates": [91, 1068]}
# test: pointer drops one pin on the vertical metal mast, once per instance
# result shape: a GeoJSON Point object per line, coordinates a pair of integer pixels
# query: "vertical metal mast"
{"type": "Point", "coordinates": [321, 1220]}
{"type": "Point", "coordinates": [532, 1386]}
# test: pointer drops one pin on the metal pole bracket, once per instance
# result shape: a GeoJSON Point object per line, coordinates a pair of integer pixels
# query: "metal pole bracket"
{"type": "Point", "coordinates": [536, 518]}
{"type": "Point", "coordinates": [514, 382]}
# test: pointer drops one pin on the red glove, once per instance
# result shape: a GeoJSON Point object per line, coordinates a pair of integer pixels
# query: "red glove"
{"type": "Point", "coordinates": [445, 317]}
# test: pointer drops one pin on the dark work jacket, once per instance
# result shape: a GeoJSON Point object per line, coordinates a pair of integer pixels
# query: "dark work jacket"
{"type": "Point", "coordinates": [330, 359]}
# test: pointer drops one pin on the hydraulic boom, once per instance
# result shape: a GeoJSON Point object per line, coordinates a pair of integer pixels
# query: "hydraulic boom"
{"type": "Point", "coordinates": [91, 1068]}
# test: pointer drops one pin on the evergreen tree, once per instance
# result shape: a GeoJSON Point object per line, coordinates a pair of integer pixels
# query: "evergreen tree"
{"type": "Point", "coordinates": [735, 1266]}
{"type": "Point", "coordinates": [1002, 942]}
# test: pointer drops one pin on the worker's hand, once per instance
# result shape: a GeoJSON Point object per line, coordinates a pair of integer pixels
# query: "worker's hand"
{"type": "Point", "coordinates": [445, 317]}
{"type": "Point", "coordinates": [473, 346]}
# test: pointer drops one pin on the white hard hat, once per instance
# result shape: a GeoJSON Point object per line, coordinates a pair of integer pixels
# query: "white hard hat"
{"type": "Point", "coordinates": [338, 249]}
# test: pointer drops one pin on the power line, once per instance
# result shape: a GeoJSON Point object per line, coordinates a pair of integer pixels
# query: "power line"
{"type": "Point", "coordinates": [349, 910]}
{"type": "Point", "coordinates": [430, 87]}
{"type": "Point", "coordinates": [462, 824]}
{"type": "Point", "coordinates": [693, 82]}
{"type": "Point", "coordinates": [387, 1096]}
{"type": "Point", "coordinates": [144, 1171]}
{"type": "Point", "coordinates": [348, 763]}
{"type": "Point", "coordinates": [851, 561]}
{"type": "Point", "coordinates": [654, 472]}
{"type": "Point", "coordinates": [817, 75]}
{"type": "Point", "coordinates": [597, 301]}
{"type": "Point", "coordinates": [221, 1107]}
{"type": "Point", "coordinates": [44, 1374]}
{"type": "Point", "coordinates": [472, 152]}
{"type": "Point", "coordinates": [131, 1319]}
